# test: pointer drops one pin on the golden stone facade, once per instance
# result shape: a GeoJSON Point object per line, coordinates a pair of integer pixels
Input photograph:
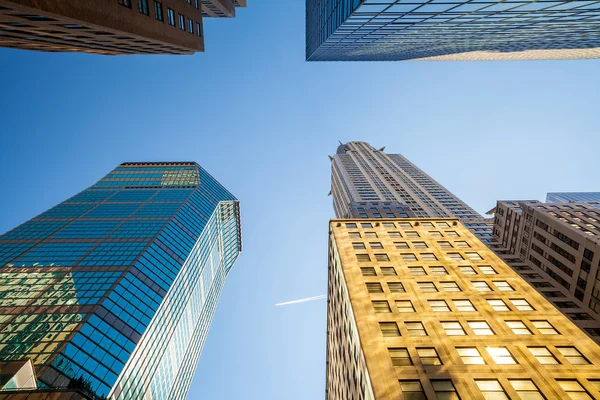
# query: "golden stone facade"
{"type": "Point", "coordinates": [421, 309]}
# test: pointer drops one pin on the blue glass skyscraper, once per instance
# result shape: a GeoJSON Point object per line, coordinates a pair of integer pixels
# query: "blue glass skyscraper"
{"type": "Point", "coordinates": [113, 290]}
{"type": "Point", "coordinates": [576, 197]}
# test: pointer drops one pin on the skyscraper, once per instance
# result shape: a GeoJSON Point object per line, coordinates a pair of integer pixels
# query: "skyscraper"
{"type": "Point", "coordinates": [392, 30]}
{"type": "Point", "coordinates": [368, 183]}
{"type": "Point", "coordinates": [110, 27]}
{"type": "Point", "coordinates": [556, 248]}
{"type": "Point", "coordinates": [578, 197]}
{"type": "Point", "coordinates": [113, 290]}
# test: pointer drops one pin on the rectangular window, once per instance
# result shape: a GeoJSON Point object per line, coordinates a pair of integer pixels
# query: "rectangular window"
{"type": "Point", "coordinates": [400, 357]}
{"type": "Point", "coordinates": [452, 234]}
{"type": "Point", "coordinates": [443, 225]}
{"type": "Point", "coordinates": [182, 22]}
{"type": "Point", "coordinates": [453, 328]}
{"type": "Point", "coordinates": [445, 245]}
{"type": "Point", "coordinates": [574, 389]}
{"type": "Point", "coordinates": [462, 244]}
{"type": "Point", "coordinates": [374, 287]}
{"type": "Point", "coordinates": [473, 256]}
{"type": "Point", "coordinates": [481, 286]}
{"type": "Point", "coordinates": [487, 270]}
{"type": "Point", "coordinates": [354, 235]}
{"type": "Point", "coordinates": [394, 234]}
{"type": "Point", "coordinates": [503, 286]}
{"type": "Point", "coordinates": [389, 225]}
{"type": "Point", "coordinates": [382, 257]}
{"type": "Point", "coordinates": [427, 287]}
{"type": "Point", "coordinates": [143, 7]}
{"type": "Point", "coordinates": [498, 305]}
{"type": "Point", "coordinates": [480, 328]}
{"type": "Point", "coordinates": [456, 256]}
{"type": "Point", "coordinates": [518, 327]}
{"type": "Point", "coordinates": [171, 16]}
{"type": "Point", "coordinates": [470, 356]}
{"type": "Point", "coordinates": [396, 287]}
{"type": "Point", "coordinates": [439, 305]}
{"type": "Point", "coordinates": [405, 306]}
{"type": "Point", "coordinates": [572, 355]}
{"type": "Point", "coordinates": [405, 225]}
{"type": "Point", "coordinates": [522, 304]}
{"type": "Point", "coordinates": [415, 329]}
{"type": "Point", "coordinates": [543, 355]}
{"type": "Point", "coordinates": [158, 11]}
{"type": "Point", "coordinates": [370, 235]}
{"type": "Point", "coordinates": [501, 355]}
{"type": "Point", "coordinates": [427, 225]}
{"type": "Point", "coordinates": [491, 389]}
{"type": "Point", "coordinates": [428, 356]}
{"type": "Point", "coordinates": [389, 329]}
{"type": "Point", "coordinates": [366, 225]}
{"type": "Point", "coordinates": [412, 234]}
{"type": "Point", "coordinates": [197, 4]}
{"type": "Point", "coordinates": [420, 245]}
{"type": "Point", "coordinates": [126, 3]}
{"type": "Point", "coordinates": [363, 257]}
{"type": "Point", "coordinates": [438, 270]}
{"type": "Point", "coordinates": [417, 271]}
{"type": "Point", "coordinates": [388, 271]}
{"type": "Point", "coordinates": [368, 271]}
{"type": "Point", "coordinates": [351, 225]}
{"type": "Point", "coordinates": [526, 389]}
{"type": "Point", "coordinates": [401, 245]}
{"type": "Point", "coordinates": [464, 305]}
{"type": "Point", "coordinates": [428, 257]}
{"type": "Point", "coordinates": [408, 257]}
{"type": "Point", "coordinates": [435, 234]}
{"type": "Point", "coordinates": [412, 390]}
{"type": "Point", "coordinates": [358, 246]}
{"type": "Point", "coordinates": [467, 270]}
{"type": "Point", "coordinates": [450, 287]}
{"type": "Point", "coordinates": [375, 245]}
{"type": "Point", "coordinates": [381, 306]}
{"type": "Point", "coordinates": [545, 327]}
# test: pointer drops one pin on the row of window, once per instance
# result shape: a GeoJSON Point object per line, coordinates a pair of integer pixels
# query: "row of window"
{"type": "Point", "coordinates": [461, 305]}
{"type": "Point", "coordinates": [433, 270]}
{"type": "Point", "coordinates": [143, 8]}
{"type": "Point", "coordinates": [407, 234]}
{"type": "Point", "coordinates": [473, 256]}
{"type": "Point", "coordinates": [493, 389]}
{"type": "Point", "coordinates": [403, 225]}
{"type": "Point", "coordinates": [448, 286]}
{"type": "Point", "coordinates": [415, 245]}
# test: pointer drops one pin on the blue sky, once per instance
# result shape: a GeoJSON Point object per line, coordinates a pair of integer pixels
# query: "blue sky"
{"type": "Point", "coordinates": [261, 120]}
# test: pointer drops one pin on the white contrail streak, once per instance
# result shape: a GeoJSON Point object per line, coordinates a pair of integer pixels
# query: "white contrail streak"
{"type": "Point", "coordinates": [302, 300]}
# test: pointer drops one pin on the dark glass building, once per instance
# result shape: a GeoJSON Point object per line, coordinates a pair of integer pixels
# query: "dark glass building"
{"type": "Point", "coordinates": [113, 290]}
{"type": "Point", "coordinates": [592, 198]}
{"type": "Point", "coordinates": [392, 30]}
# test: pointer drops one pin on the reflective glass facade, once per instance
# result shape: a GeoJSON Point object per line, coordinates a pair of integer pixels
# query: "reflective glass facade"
{"type": "Point", "coordinates": [391, 30]}
{"type": "Point", "coordinates": [117, 285]}
{"type": "Point", "coordinates": [566, 197]}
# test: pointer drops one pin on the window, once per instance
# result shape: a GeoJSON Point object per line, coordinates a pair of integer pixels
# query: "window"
{"type": "Point", "coordinates": [400, 357]}
{"type": "Point", "coordinates": [370, 235]}
{"type": "Point", "coordinates": [543, 355]}
{"type": "Point", "coordinates": [415, 329]}
{"type": "Point", "coordinates": [526, 389]}
{"type": "Point", "coordinates": [126, 3]}
{"type": "Point", "coordinates": [462, 244]}
{"type": "Point", "coordinates": [453, 328]}
{"type": "Point", "coordinates": [405, 306]}
{"type": "Point", "coordinates": [518, 327]}
{"type": "Point", "coordinates": [143, 7]}
{"type": "Point", "coordinates": [354, 235]}
{"type": "Point", "coordinates": [197, 4]}
{"type": "Point", "coordinates": [382, 257]}
{"type": "Point", "coordinates": [498, 305]}
{"type": "Point", "coordinates": [401, 245]}
{"type": "Point", "coordinates": [388, 271]}
{"type": "Point", "coordinates": [368, 271]}
{"type": "Point", "coordinates": [351, 225]}
{"type": "Point", "coordinates": [452, 234]}
{"type": "Point", "coordinates": [417, 271]}
{"type": "Point", "coordinates": [503, 286]}
{"type": "Point", "coordinates": [420, 245]}
{"type": "Point", "coordinates": [363, 257]}
{"type": "Point", "coordinates": [450, 287]}
{"type": "Point", "coordinates": [427, 287]}
{"type": "Point", "coordinates": [445, 245]}
{"type": "Point", "coordinates": [464, 305]}
{"type": "Point", "coordinates": [412, 390]}
{"type": "Point", "coordinates": [405, 225]}
{"type": "Point", "coordinates": [428, 356]}
{"type": "Point", "coordinates": [428, 257]}
{"type": "Point", "coordinates": [522, 304]}
{"type": "Point", "coordinates": [481, 328]}
{"type": "Point", "coordinates": [374, 287]}
{"type": "Point", "coordinates": [375, 245]}
{"type": "Point", "coordinates": [358, 246]}
{"type": "Point", "coordinates": [366, 225]}
{"type": "Point", "coordinates": [389, 225]}
{"type": "Point", "coordinates": [381, 306]}
{"type": "Point", "coordinates": [389, 329]}
{"type": "Point", "coordinates": [439, 305]}
{"type": "Point", "coordinates": [574, 389]}
{"type": "Point", "coordinates": [481, 286]}
{"type": "Point", "coordinates": [545, 327]}
{"type": "Point", "coordinates": [435, 234]}
{"type": "Point", "coordinates": [455, 256]}
{"type": "Point", "coordinates": [171, 16]}
{"type": "Point", "coordinates": [443, 225]}
{"type": "Point", "coordinates": [438, 270]}
{"type": "Point", "coordinates": [491, 389]}
{"type": "Point", "coordinates": [572, 355]}
{"type": "Point", "coordinates": [487, 270]}
{"type": "Point", "coordinates": [427, 225]}
{"type": "Point", "coordinates": [412, 234]}
{"type": "Point", "coordinates": [158, 11]}
{"type": "Point", "coordinates": [470, 356]}
{"type": "Point", "coordinates": [473, 256]}
{"type": "Point", "coordinates": [394, 234]}
{"type": "Point", "coordinates": [396, 287]}
{"type": "Point", "coordinates": [408, 257]}
{"type": "Point", "coordinates": [467, 270]}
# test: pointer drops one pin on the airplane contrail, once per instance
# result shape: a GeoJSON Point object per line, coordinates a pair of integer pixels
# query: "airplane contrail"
{"type": "Point", "coordinates": [302, 300]}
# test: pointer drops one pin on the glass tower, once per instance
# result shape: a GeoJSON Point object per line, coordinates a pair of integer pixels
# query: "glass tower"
{"type": "Point", "coordinates": [566, 197]}
{"type": "Point", "coordinates": [113, 290]}
{"type": "Point", "coordinates": [368, 183]}
{"type": "Point", "coordinates": [392, 30]}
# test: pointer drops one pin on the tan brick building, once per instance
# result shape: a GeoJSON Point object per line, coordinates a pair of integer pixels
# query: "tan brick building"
{"type": "Point", "coordinates": [422, 309]}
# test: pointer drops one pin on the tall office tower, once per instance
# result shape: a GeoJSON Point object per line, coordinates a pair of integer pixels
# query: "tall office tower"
{"type": "Point", "coordinates": [556, 248]}
{"type": "Point", "coordinates": [419, 308]}
{"type": "Point", "coordinates": [112, 292]}
{"type": "Point", "coordinates": [592, 198]}
{"type": "Point", "coordinates": [368, 183]}
{"type": "Point", "coordinates": [109, 27]}
{"type": "Point", "coordinates": [393, 30]}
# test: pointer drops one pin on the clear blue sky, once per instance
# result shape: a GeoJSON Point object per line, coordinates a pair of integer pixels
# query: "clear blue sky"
{"type": "Point", "coordinates": [261, 120]}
